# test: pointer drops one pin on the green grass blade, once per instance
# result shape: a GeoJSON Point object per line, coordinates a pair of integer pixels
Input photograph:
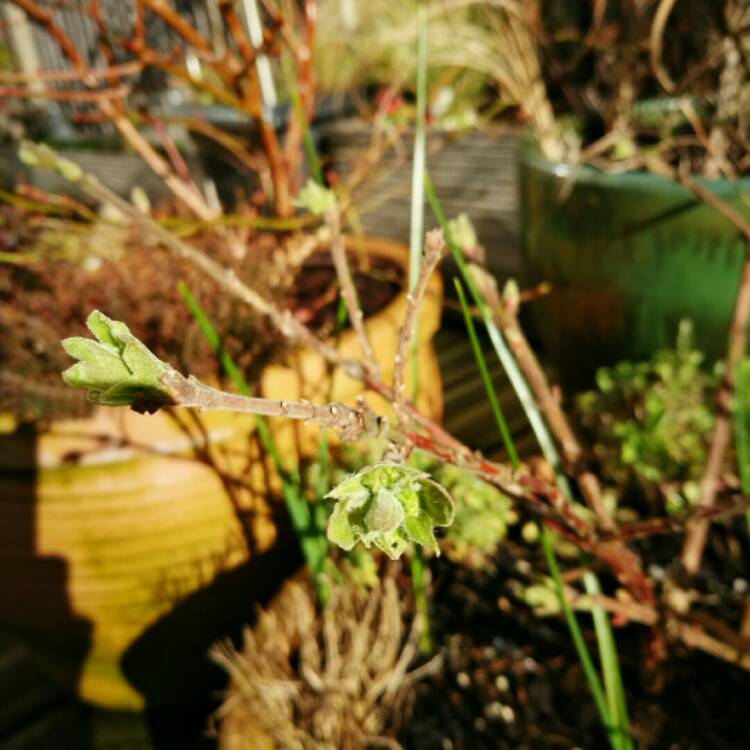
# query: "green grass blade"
{"type": "Point", "coordinates": [601, 621]}
{"type": "Point", "coordinates": [211, 335]}
{"type": "Point", "coordinates": [579, 642]}
{"type": "Point", "coordinates": [550, 453]}
{"type": "Point", "coordinates": [486, 379]}
{"type": "Point", "coordinates": [416, 240]}
{"type": "Point", "coordinates": [613, 687]}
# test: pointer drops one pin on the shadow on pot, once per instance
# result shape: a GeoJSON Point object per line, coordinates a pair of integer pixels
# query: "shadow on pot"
{"type": "Point", "coordinates": [168, 663]}
{"type": "Point", "coordinates": [23, 563]}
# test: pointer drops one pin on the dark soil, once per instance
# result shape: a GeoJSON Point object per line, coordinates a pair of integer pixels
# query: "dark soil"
{"type": "Point", "coordinates": [314, 294]}
{"type": "Point", "coordinates": [512, 679]}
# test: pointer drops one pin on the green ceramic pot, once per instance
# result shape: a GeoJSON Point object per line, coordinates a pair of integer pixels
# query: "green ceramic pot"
{"type": "Point", "coordinates": [627, 256]}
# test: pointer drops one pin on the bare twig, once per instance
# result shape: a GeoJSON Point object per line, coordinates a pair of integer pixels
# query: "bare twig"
{"type": "Point", "coordinates": [436, 440]}
{"type": "Point", "coordinates": [185, 192]}
{"type": "Point", "coordinates": [285, 322]}
{"type": "Point", "coordinates": [695, 537]}
{"type": "Point", "coordinates": [348, 290]}
{"type": "Point", "coordinates": [657, 35]}
{"type": "Point", "coordinates": [55, 76]}
{"type": "Point", "coordinates": [118, 92]}
{"type": "Point", "coordinates": [352, 423]}
{"type": "Point", "coordinates": [433, 251]}
{"type": "Point", "coordinates": [504, 314]}
{"type": "Point", "coordinates": [615, 553]}
{"type": "Point", "coordinates": [302, 53]}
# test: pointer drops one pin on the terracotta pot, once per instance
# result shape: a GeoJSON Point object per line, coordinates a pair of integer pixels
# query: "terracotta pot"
{"type": "Point", "coordinates": [130, 543]}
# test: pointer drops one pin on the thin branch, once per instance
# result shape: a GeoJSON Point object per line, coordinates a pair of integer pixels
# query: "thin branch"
{"type": "Point", "coordinates": [657, 36]}
{"type": "Point", "coordinates": [433, 251]}
{"type": "Point", "coordinates": [304, 84]}
{"type": "Point", "coordinates": [226, 7]}
{"type": "Point", "coordinates": [45, 19]}
{"type": "Point", "coordinates": [55, 76]}
{"type": "Point", "coordinates": [232, 144]}
{"type": "Point", "coordinates": [440, 443]}
{"type": "Point", "coordinates": [695, 537]}
{"type": "Point", "coordinates": [348, 290]}
{"type": "Point", "coordinates": [190, 196]}
{"type": "Point", "coordinates": [186, 192]}
{"type": "Point", "coordinates": [690, 634]}
{"type": "Point", "coordinates": [285, 322]}
{"type": "Point", "coordinates": [351, 423]}
{"type": "Point", "coordinates": [177, 22]}
{"type": "Point", "coordinates": [504, 314]}
{"type": "Point", "coordinates": [118, 92]}
{"type": "Point", "coordinates": [623, 562]}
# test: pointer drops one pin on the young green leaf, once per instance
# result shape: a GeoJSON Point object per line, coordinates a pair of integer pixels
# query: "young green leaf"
{"type": "Point", "coordinates": [316, 199]}
{"type": "Point", "coordinates": [117, 369]}
{"type": "Point", "coordinates": [387, 506]}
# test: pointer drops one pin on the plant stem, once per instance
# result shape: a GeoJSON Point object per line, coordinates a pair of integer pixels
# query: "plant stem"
{"type": "Point", "coordinates": [610, 667]}
{"type": "Point", "coordinates": [409, 329]}
{"type": "Point", "coordinates": [548, 449]}
{"type": "Point", "coordinates": [697, 532]}
{"type": "Point", "coordinates": [433, 251]}
{"type": "Point", "coordinates": [741, 430]}
{"type": "Point", "coordinates": [348, 289]}
{"type": "Point", "coordinates": [485, 373]}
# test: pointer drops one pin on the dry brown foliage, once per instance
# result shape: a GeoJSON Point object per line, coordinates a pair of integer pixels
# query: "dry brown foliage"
{"type": "Point", "coordinates": [309, 681]}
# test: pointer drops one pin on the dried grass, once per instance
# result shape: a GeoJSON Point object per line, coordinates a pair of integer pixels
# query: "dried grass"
{"type": "Point", "coordinates": [309, 681]}
{"type": "Point", "coordinates": [490, 42]}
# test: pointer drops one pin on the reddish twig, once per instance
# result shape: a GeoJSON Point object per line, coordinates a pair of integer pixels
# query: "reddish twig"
{"type": "Point", "coordinates": [178, 163]}
{"type": "Point", "coordinates": [619, 558]}
{"type": "Point", "coordinates": [238, 33]}
{"type": "Point", "coordinates": [45, 19]}
{"type": "Point", "coordinates": [120, 92]}
{"type": "Point", "coordinates": [61, 76]}
{"type": "Point", "coordinates": [179, 24]}
{"type": "Point", "coordinates": [305, 85]}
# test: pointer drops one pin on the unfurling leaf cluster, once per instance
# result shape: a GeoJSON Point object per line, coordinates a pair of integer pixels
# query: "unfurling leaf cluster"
{"type": "Point", "coordinates": [316, 199]}
{"type": "Point", "coordinates": [116, 369]}
{"type": "Point", "coordinates": [388, 506]}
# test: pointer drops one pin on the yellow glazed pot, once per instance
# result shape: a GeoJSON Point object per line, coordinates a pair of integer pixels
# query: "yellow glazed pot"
{"type": "Point", "coordinates": [129, 543]}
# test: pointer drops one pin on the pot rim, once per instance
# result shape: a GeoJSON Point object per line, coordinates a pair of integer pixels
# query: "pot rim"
{"type": "Point", "coordinates": [588, 175]}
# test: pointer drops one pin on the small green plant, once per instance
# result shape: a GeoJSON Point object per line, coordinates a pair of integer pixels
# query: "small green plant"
{"type": "Point", "coordinates": [117, 369]}
{"type": "Point", "coordinates": [388, 506]}
{"type": "Point", "coordinates": [650, 422]}
{"type": "Point", "coordinates": [483, 513]}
